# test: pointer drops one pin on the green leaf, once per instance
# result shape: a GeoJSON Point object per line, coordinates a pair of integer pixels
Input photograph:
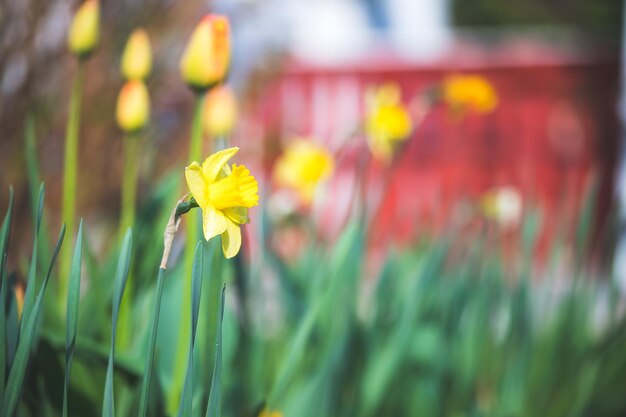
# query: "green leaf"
{"type": "Point", "coordinates": [214, 406]}
{"type": "Point", "coordinates": [18, 369]}
{"type": "Point", "coordinates": [73, 294]}
{"type": "Point", "coordinates": [29, 296]}
{"type": "Point", "coordinates": [147, 376]}
{"type": "Point", "coordinates": [185, 407]}
{"type": "Point", "coordinates": [123, 266]}
{"type": "Point", "coordinates": [4, 244]}
{"type": "Point", "coordinates": [34, 188]}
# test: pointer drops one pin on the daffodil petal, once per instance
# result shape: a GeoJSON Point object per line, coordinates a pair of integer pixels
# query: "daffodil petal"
{"type": "Point", "coordinates": [197, 184]}
{"type": "Point", "coordinates": [213, 222]}
{"type": "Point", "coordinates": [212, 166]}
{"type": "Point", "coordinates": [238, 215]}
{"type": "Point", "coordinates": [231, 239]}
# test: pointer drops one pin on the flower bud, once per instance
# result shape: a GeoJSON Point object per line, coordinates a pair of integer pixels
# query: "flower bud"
{"type": "Point", "coordinates": [206, 59]}
{"type": "Point", "coordinates": [137, 57]}
{"type": "Point", "coordinates": [133, 106]}
{"type": "Point", "coordinates": [220, 112]}
{"type": "Point", "coordinates": [85, 29]}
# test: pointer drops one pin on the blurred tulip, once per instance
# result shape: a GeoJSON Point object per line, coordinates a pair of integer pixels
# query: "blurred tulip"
{"type": "Point", "coordinates": [85, 30]}
{"type": "Point", "coordinates": [137, 57]}
{"type": "Point", "coordinates": [469, 92]}
{"type": "Point", "coordinates": [133, 106]}
{"type": "Point", "coordinates": [220, 112]}
{"type": "Point", "coordinates": [302, 166]}
{"type": "Point", "coordinates": [206, 59]}
{"type": "Point", "coordinates": [387, 122]}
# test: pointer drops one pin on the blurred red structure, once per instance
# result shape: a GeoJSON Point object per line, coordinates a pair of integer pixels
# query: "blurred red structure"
{"type": "Point", "coordinates": [553, 133]}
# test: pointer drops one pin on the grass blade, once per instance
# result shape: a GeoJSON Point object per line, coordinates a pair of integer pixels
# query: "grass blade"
{"type": "Point", "coordinates": [73, 293]}
{"type": "Point", "coordinates": [185, 407]}
{"type": "Point", "coordinates": [18, 369]}
{"type": "Point", "coordinates": [29, 296]}
{"type": "Point", "coordinates": [4, 245]}
{"type": "Point", "coordinates": [214, 407]}
{"type": "Point", "coordinates": [123, 266]}
{"type": "Point", "coordinates": [147, 376]}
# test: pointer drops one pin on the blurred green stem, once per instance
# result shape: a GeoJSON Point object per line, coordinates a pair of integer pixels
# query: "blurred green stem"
{"type": "Point", "coordinates": [129, 193]}
{"type": "Point", "coordinates": [180, 360]}
{"type": "Point", "coordinates": [129, 181]}
{"type": "Point", "coordinates": [69, 178]}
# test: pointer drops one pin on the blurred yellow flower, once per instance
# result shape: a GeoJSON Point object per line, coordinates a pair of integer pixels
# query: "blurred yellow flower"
{"type": "Point", "coordinates": [503, 205]}
{"type": "Point", "coordinates": [133, 106]}
{"type": "Point", "coordinates": [85, 30]}
{"type": "Point", "coordinates": [137, 56]}
{"type": "Point", "coordinates": [224, 195]}
{"type": "Point", "coordinates": [220, 112]}
{"type": "Point", "coordinates": [19, 298]}
{"type": "Point", "coordinates": [302, 166]}
{"type": "Point", "coordinates": [471, 92]}
{"type": "Point", "coordinates": [387, 122]}
{"type": "Point", "coordinates": [206, 59]}
{"type": "Point", "coordinates": [267, 413]}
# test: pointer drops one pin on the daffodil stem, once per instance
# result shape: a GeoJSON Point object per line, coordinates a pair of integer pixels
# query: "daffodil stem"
{"type": "Point", "coordinates": [69, 179]}
{"type": "Point", "coordinates": [195, 154]}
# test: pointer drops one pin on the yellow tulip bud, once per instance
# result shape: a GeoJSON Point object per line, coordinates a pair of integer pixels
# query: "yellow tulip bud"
{"type": "Point", "coordinates": [220, 112]}
{"type": "Point", "coordinates": [137, 57]}
{"type": "Point", "coordinates": [206, 59]}
{"type": "Point", "coordinates": [85, 30]}
{"type": "Point", "coordinates": [133, 106]}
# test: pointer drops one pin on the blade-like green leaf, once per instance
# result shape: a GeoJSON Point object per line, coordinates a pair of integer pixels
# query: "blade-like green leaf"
{"type": "Point", "coordinates": [185, 407]}
{"type": "Point", "coordinates": [29, 296]}
{"type": "Point", "coordinates": [73, 293]}
{"type": "Point", "coordinates": [34, 188]}
{"type": "Point", "coordinates": [214, 407]}
{"type": "Point", "coordinates": [4, 244]}
{"type": "Point", "coordinates": [123, 266]}
{"type": "Point", "coordinates": [18, 368]}
{"type": "Point", "coordinates": [147, 376]}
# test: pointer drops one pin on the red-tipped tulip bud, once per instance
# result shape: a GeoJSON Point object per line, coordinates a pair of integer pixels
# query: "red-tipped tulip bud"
{"type": "Point", "coordinates": [133, 106]}
{"type": "Point", "coordinates": [137, 57]}
{"type": "Point", "coordinates": [85, 30]}
{"type": "Point", "coordinates": [206, 59]}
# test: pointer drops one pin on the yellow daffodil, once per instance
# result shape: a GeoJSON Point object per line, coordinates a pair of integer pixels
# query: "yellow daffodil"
{"type": "Point", "coordinates": [469, 92]}
{"type": "Point", "coordinates": [137, 56]}
{"type": "Point", "coordinates": [206, 59]}
{"type": "Point", "coordinates": [302, 166]}
{"type": "Point", "coordinates": [85, 30]}
{"type": "Point", "coordinates": [267, 413]}
{"type": "Point", "coordinates": [387, 121]}
{"type": "Point", "coordinates": [133, 106]}
{"type": "Point", "coordinates": [220, 112]}
{"type": "Point", "coordinates": [224, 194]}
